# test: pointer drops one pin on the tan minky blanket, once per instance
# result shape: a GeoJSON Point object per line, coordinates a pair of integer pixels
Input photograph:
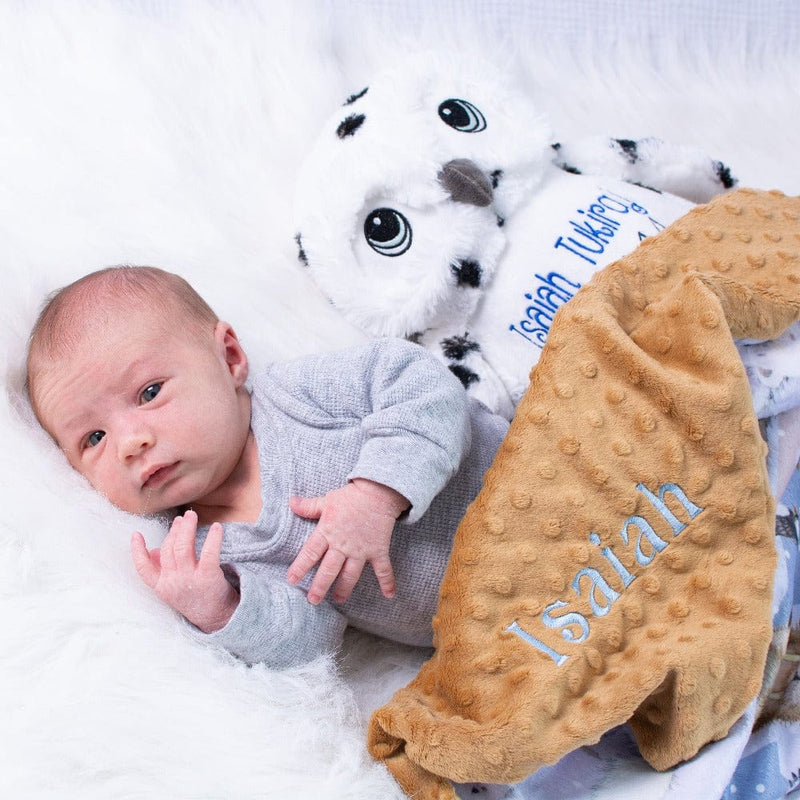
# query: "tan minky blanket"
{"type": "Point", "coordinates": [617, 565]}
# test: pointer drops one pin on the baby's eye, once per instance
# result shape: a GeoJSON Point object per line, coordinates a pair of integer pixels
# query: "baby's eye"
{"type": "Point", "coordinates": [94, 438]}
{"type": "Point", "coordinates": [150, 392]}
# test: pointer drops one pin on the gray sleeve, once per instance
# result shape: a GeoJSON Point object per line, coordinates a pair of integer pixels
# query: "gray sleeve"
{"type": "Point", "coordinates": [275, 624]}
{"type": "Point", "coordinates": [413, 413]}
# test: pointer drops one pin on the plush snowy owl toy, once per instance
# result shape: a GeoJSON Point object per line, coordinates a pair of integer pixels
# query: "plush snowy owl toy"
{"type": "Point", "coordinates": [437, 205]}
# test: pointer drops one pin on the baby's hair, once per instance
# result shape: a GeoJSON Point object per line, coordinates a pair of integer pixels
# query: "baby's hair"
{"type": "Point", "coordinates": [61, 321]}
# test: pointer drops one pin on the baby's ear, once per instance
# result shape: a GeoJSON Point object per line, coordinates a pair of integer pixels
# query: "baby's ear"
{"type": "Point", "coordinates": [232, 352]}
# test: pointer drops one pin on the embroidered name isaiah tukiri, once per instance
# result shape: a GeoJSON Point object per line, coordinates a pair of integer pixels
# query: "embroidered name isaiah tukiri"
{"type": "Point", "coordinates": [599, 592]}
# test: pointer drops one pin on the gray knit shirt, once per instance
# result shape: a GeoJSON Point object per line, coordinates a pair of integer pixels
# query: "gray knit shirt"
{"type": "Point", "coordinates": [387, 411]}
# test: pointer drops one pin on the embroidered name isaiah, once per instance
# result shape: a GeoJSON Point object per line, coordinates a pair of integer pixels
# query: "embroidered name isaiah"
{"type": "Point", "coordinates": [606, 228]}
{"type": "Point", "coordinates": [603, 589]}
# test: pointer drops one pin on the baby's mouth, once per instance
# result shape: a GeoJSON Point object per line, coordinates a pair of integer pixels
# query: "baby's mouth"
{"type": "Point", "coordinates": [159, 476]}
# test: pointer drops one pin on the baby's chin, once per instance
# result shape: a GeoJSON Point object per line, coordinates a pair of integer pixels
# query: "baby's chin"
{"type": "Point", "coordinates": [161, 514]}
{"type": "Point", "coordinates": [170, 505]}
{"type": "Point", "coordinates": [148, 510]}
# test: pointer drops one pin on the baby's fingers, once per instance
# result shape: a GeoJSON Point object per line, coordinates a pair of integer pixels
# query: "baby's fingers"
{"type": "Point", "coordinates": [327, 572]}
{"type": "Point", "coordinates": [212, 547]}
{"type": "Point", "coordinates": [311, 553]}
{"type": "Point", "coordinates": [185, 530]}
{"type": "Point", "coordinates": [307, 507]}
{"type": "Point", "coordinates": [168, 545]}
{"type": "Point", "coordinates": [385, 575]}
{"type": "Point", "coordinates": [146, 568]}
{"type": "Point", "coordinates": [348, 578]}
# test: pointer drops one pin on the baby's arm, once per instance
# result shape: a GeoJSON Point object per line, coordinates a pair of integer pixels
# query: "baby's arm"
{"type": "Point", "coordinates": [274, 623]}
{"type": "Point", "coordinates": [195, 588]}
{"type": "Point", "coordinates": [415, 429]}
{"type": "Point", "coordinates": [355, 527]}
{"type": "Point", "coordinates": [264, 621]}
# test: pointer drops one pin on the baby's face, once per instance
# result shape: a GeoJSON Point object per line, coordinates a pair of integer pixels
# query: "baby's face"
{"type": "Point", "coordinates": [151, 414]}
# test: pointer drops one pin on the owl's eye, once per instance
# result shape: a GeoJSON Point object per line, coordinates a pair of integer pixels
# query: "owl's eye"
{"type": "Point", "coordinates": [387, 232]}
{"type": "Point", "coordinates": [462, 115]}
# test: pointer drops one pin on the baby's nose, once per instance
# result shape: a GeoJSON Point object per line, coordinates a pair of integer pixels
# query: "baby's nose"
{"type": "Point", "coordinates": [135, 442]}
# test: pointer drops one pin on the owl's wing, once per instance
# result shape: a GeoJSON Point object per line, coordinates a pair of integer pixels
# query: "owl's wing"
{"type": "Point", "coordinates": [665, 166]}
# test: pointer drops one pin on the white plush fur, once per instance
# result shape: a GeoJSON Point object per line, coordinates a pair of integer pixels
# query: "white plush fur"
{"type": "Point", "coordinates": [394, 160]}
{"type": "Point", "coordinates": [170, 133]}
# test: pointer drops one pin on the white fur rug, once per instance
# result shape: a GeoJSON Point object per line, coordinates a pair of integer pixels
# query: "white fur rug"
{"type": "Point", "coordinates": [169, 133]}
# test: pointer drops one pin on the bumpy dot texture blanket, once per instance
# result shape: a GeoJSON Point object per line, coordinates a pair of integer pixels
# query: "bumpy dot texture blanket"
{"type": "Point", "coordinates": [618, 564]}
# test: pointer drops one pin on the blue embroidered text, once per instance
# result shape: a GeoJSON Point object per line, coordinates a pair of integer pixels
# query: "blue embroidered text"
{"type": "Point", "coordinates": [598, 590]}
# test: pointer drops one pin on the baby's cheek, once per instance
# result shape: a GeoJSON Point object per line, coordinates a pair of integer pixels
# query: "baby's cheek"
{"type": "Point", "coordinates": [106, 485]}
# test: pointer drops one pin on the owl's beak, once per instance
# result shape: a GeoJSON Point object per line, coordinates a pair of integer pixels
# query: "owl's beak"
{"type": "Point", "coordinates": [466, 182]}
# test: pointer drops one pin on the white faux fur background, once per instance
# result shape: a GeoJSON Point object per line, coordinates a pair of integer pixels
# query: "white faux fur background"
{"type": "Point", "coordinates": [169, 133]}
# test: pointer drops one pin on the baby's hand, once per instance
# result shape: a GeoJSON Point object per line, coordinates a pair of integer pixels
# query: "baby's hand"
{"type": "Point", "coordinates": [355, 527]}
{"type": "Point", "coordinates": [194, 587]}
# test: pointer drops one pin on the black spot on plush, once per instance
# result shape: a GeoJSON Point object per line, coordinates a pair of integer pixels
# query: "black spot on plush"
{"type": "Point", "coordinates": [466, 376]}
{"type": "Point", "coordinates": [301, 254]}
{"type": "Point", "coordinates": [724, 174]}
{"type": "Point", "coordinates": [357, 96]}
{"type": "Point", "coordinates": [468, 273]}
{"type": "Point", "coordinates": [495, 176]}
{"type": "Point", "coordinates": [349, 125]}
{"type": "Point", "coordinates": [628, 146]}
{"type": "Point", "coordinates": [457, 347]}
{"type": "Point", "coordinates": [569, 168]}
{"type": "Point", "coordinates": [649, 188]}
